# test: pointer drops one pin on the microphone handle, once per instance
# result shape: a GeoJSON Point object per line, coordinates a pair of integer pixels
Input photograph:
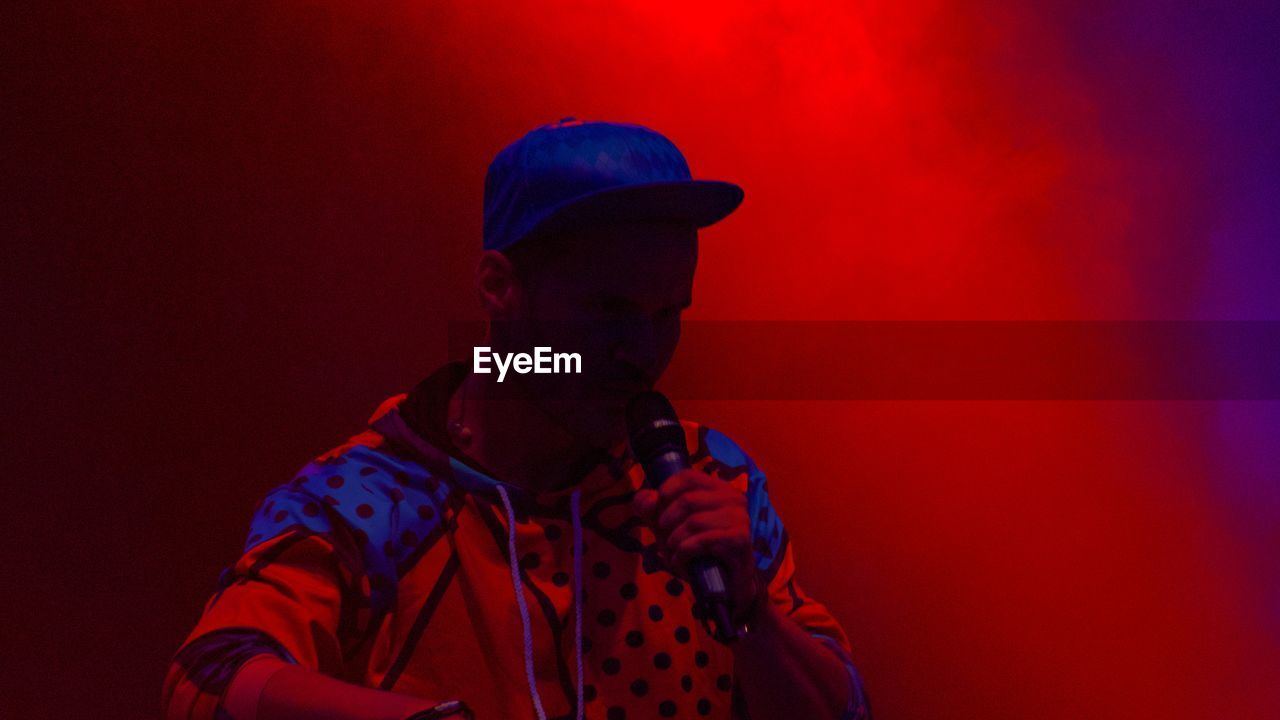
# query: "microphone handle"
{"type": "Point", "coordinates": [708, 577]}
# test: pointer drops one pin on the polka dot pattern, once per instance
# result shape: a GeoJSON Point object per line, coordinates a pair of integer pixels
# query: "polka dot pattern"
{"type": "Point", "coordinates": [650, 667]}
{"type": "Point", "coordinates": [766, 526]}
{"type": "Point", "coordinates": [384, 507]}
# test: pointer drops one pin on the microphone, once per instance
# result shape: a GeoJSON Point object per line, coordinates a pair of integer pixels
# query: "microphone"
{"type": "Point", "coordinates": [657, 441]}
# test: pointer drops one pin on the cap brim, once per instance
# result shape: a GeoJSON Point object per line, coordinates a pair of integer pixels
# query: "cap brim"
{"type": "Point", "coordinates": [697, 202]}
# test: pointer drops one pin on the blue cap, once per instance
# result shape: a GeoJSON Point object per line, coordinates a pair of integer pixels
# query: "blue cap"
{"type": "Point", "coordinates": [573, 171]}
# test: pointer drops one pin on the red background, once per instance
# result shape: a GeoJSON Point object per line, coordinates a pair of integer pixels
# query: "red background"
{"type": "Point", "coordinates": [239, 226]}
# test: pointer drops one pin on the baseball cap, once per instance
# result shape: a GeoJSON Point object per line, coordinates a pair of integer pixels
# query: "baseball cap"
{"type": "Point", "coordinates": [574, 171]}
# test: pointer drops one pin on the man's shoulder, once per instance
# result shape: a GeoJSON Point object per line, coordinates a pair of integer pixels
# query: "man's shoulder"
{"type": "Point", "coordinates": [718, 451]}
{"type": "Point", "coordinates": [359, 490]}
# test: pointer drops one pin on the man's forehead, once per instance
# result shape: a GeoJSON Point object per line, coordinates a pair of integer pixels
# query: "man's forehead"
{"type": "Point", "coordinates": [659, 272]}
{"type": "Point", "coordinates": [627, 238]}
{"type": "Point", "coordinates": [638, 254]}
{"type": "Point", "coordinates": [641, 260]}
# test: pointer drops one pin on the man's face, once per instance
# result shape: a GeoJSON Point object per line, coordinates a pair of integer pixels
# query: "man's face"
{"type": "Point", "coordinates": [615, 297]}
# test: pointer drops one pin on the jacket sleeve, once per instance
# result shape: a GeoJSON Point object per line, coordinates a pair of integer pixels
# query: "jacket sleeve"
{"type": "Point", "coordinates": [298, 592]}
{"type": "Point", "coordinates": [775, 560]}
{"type": "Point", "coordinates": [785, 592]}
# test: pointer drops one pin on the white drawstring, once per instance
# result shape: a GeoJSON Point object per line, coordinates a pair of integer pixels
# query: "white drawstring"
{"type": "Point", "coordinates": [575, 502]}
{"type": "Point", "coordinates": [575, 507]}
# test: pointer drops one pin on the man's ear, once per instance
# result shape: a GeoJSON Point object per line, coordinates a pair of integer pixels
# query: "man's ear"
{"type": "Point", "coordinates": [497, 286]}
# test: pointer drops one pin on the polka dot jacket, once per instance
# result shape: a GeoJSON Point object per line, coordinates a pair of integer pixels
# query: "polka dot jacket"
{"type": "Point", "coordinates": [385, 562]}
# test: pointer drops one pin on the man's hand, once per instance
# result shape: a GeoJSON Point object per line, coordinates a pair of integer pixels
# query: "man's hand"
{"type": "Point", "coordinates": [783, 670]}
{"type": "Point", "coordinates": [693, 515]}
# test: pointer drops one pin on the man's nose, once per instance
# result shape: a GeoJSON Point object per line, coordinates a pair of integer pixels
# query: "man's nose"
{"type": "Point", "coordinates": [637, 346]}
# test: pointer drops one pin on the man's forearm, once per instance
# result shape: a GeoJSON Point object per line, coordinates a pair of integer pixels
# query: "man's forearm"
{"type": "Point", "coordinates": [785, 672]}
{"type": "Point", "coordinates": [268, 688]}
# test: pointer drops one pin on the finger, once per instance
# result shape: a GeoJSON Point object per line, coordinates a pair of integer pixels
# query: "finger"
{"type": "Point", "coordinates": [685, 484]}
{"type": "Point", "coordinates": [694, 525]}
{"type": "Point", "coordinates": [645, 503]}
{"type": "Point", "coordinates": [697, 525]}
{"type": "Point", "coordinates": [684, 481]}
{"type": "Point", "coordinates": [678, 510]}
{"type": "Point", "coordinates": [727, 546]}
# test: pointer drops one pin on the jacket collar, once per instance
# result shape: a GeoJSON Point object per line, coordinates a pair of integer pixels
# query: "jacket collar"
{"type": "Point", "coordinates": [416, 422]}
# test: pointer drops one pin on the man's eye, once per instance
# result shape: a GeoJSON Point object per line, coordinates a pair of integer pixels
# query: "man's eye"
{"type": "Point", "coordinates": [611, 307]}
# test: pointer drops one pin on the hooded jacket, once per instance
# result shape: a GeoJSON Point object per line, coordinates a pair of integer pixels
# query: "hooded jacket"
{"type": "Point", "coordinates": [391, 562]}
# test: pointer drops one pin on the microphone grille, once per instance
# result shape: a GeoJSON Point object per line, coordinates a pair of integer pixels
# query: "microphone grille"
{"type": "Point", "coordinates": [653, 426]}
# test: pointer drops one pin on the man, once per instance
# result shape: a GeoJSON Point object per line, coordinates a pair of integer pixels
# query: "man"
{"type": "Point", "coordinates": [488, 545]}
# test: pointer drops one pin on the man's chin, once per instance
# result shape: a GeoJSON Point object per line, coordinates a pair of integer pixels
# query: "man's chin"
{"type": "Point", "coordinates": [600, 423]}
{"type": "Point", "coordinates": [605, 428]}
